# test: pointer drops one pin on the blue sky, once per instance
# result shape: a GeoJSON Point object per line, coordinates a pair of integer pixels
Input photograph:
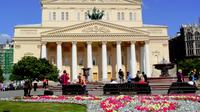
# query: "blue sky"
{"type": "Point", "coordinates": [172, 13]}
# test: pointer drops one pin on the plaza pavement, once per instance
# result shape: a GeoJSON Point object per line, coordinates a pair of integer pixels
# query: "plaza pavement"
{"type": "Point", "coordinates": [11, 94]}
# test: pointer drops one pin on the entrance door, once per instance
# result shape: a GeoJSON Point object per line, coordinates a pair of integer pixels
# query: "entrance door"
{"type": "Point", "coordinates": [95, 74]}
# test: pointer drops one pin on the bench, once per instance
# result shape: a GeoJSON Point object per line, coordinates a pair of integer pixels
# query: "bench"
{"type": "Point", "coordinates": [74, 89]}
{"type": "Point", "coordinates": [181, 87]}
{"type": "Point", "coordinates": [127, 88]}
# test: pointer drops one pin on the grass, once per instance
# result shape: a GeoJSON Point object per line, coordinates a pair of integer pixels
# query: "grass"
{"type": "Point", "coordinates": [40, 107]}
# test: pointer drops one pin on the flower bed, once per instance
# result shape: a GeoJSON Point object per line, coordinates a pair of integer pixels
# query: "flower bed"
{"type": "Point", "coordinates": [124, 103]}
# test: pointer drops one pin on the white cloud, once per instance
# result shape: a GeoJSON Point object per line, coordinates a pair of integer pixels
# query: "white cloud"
{"type": "Point", "coordinates": [4, 38]}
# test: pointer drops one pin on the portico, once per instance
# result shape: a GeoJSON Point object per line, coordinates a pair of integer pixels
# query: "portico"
{"type": "Point", "coordinates": [104, 57]}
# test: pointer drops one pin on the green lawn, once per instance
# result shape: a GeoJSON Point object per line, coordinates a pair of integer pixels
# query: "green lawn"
{"type": "Point", "coordinates": [40, 107]}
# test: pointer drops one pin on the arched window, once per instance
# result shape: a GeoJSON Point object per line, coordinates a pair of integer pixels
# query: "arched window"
{"type": "Point", "coordinates": [197, 35]}
{"type": "Point", "coordinates": [189, 36]}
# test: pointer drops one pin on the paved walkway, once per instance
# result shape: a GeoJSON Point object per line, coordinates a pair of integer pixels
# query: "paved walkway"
{"type": "Point", "coordinates": [11, 94]}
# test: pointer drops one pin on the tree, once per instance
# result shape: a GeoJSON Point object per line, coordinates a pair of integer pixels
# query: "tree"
{"type": "Point", "coordinates": [31, 68]}
{"type": "Point", "coordinates": [188, 64]}
{"type": "Point", "coordinates": [1, 75]}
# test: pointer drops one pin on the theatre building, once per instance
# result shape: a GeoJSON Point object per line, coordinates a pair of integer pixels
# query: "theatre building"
{"type": "Point", "coordinates": [104, 35]}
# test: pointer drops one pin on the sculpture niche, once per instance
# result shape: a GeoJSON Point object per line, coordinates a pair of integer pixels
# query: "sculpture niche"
{"type": "Point", "coordinates": [164, 66]}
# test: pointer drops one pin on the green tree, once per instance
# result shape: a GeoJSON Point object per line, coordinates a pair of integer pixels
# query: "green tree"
{"type": "Point", "coordinates": [188, 64]}
{"type": "Point", "coordinates": [1, 75]}
{"type": "Point", "coordinates": [31, 67]}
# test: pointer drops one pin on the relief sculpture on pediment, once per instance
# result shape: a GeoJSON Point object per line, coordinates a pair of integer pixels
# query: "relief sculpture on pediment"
{"type": "Point", "coordinates": [96, 29]}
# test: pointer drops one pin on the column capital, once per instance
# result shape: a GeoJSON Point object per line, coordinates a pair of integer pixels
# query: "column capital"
{"type": "Point", "coordinates": [74, 42]}
{"type": "Point", "coordinates": [89, 42]}
{"type": "Point", "coordinates": [43, 43]}
{"type": "Point", "coordinates": [146, 41]}
{"type": "Point", "coordinates": [119, 42]}
{"type": "Point", "coordinates": [58, 43]}
{"type": "Point", "coordinates": [104, 42]}
{"type": "Point", "coordinates": [132, 42]}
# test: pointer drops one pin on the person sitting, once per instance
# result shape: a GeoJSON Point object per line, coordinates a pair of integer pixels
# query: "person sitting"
{"type": "Point", "coordinates": [137, 78]}
{"type": "Point", "coordinates": [190, 82]}
{"type": "Point", "coordinates": [142, 80]}
{"type": "Point", "coordinates": [82, 82]}
{"type": "Point", "coordinates": [145, 76]}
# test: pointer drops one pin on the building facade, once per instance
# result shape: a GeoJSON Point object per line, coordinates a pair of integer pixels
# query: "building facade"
{"type": "Point", "coordinates": [71, 41]}
{"type": "Point", "coordinates": [186, 44]}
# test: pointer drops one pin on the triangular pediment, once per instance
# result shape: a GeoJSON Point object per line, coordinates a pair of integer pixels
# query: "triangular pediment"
{"type": "Point", "coordinates": [94, 27]}
{"type": "Point", "coordinates": [91, 1]}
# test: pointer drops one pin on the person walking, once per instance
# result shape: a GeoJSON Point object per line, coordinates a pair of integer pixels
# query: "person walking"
{"type": "Point", "coordinates": [121, 75]}
{"type": "Point", "coordinates": [64, 80]}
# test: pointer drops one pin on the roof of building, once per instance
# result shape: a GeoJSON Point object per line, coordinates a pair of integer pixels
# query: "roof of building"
{"type": "Point", "coordinates": [29, 25]}
{"type": "Point", "coordinates": [150, 25]}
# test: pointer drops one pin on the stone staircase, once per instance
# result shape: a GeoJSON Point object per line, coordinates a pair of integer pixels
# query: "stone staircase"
{"type": "Point", "coordinates": [156, 84]}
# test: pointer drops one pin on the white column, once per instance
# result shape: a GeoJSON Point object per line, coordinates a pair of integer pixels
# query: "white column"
{"type": "Point", "coordinates": [142, 61]}
{"type": "Point", "coordinates": [104, 62]}
{"type": "Point", "coordinates": [74, 61]}
{"type": "Point", "coordinates": [119, 56]}
{"type": "Point", "coordinates": [59, 56]}
{"type": "Point", "coordinates": [147, 61]}
{"type": "Point", "coordinates": [44, 50]}
{"type": "Point", "coordinates": [133, 60]}
{"type": "Point", "coordinates": [89, 59]}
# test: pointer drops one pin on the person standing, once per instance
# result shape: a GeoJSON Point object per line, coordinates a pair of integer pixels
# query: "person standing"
{"type": "Point", "coordinates": [64, 80]}
{"type": "Point", "coordinates": [45, 83]}
{"type": "Point", "coordinates": [121, 75]}
{"type": "Point", "coordinates": [35, 84]}
{"type": "Point", "coordinates": [27, 88]}
{"type": "Point", "coordinates": [129, 78]}
{"type": "Point", "coordinates": [180, 77]}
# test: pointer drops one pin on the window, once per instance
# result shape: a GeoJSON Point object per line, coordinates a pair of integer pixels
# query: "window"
{"type": "Point", "coordinates": [62, 16]}
{"type": "Point", "coordinates": [108, 60]}
{"type": "Point", "coordinates": [50, 16]}
{"type": "Point", "coordinates": [86, 16]}
{"type": "Point", "coordinates": [54, 16]}
{"type": "Point", "coordinates": [66, 62]}
{"type": "Point", "coordinates": [118, 16]}
{"type": "Point", "coordinates": [80, 61]}
{"type": "Point", "coordinates": [132, 16]}
{"type": "Point", "coordinates": [122, 16]}
{"type": "Point", "coordinates": [197, 44]}
{"type": "Point", "coordinates": [107, 16]}
{"type": "Point", "coordinates": [66, 16]}
{"type": "Point", "coordinates": [94, 61]}
{"type": "Point", "coordinates": [189, 36]}
{"type": "Point", "coordinates": [52, 60]}
{"type": "Point", "coordinates": [197, 35]}
{"type": "Point", "coordinates": [78, 16]}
